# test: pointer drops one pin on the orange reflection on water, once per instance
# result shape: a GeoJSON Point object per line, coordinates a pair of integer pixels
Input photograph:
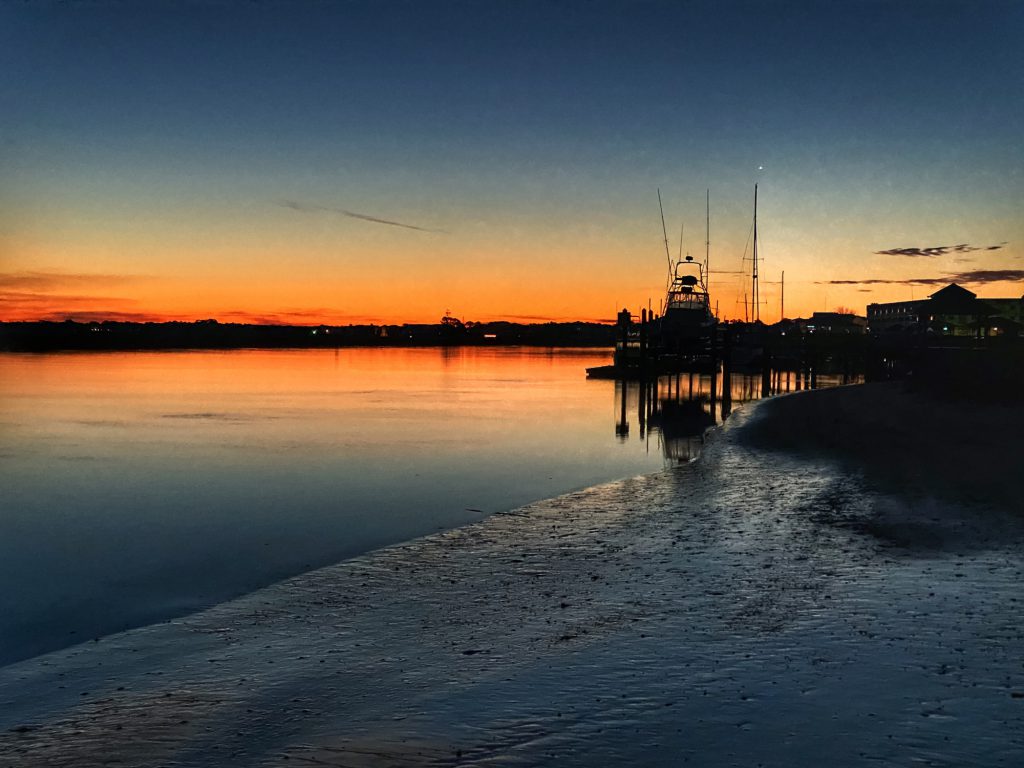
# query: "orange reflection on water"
{"type": "Point", "coordinates": [156, 482]}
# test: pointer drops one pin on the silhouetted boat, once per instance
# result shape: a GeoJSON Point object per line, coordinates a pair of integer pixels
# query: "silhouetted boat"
{"type": "Point", "coordinates": [688, 322]}
{"type": "Point", "coordinates": [682, 339]}
{"type": "Point", "coordinates": [684, 332]}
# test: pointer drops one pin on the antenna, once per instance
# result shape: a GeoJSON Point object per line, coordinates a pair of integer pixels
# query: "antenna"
{"type": "Point", "coordinates": [707, 241]}
{"type": "Point", "coordinates": [782, 301]}
{"type": "Point", "coordinates": [664, 234]}
{"type": "Point", "coordinates": [682, 228]}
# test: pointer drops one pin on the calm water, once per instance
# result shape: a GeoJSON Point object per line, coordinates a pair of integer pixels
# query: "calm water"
{"type": "Point", "coordinates": [146, 485]}
{"type": "Point", "coordinates": [141, 486]}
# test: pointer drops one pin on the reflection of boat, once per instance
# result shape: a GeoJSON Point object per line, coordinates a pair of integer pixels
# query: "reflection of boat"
{"type": "Point", "coordinates": [678, 422]}
{"type": "Point", "coordinates": [682, 418]}
{"type": "Point", "coordinates": [682, 424]}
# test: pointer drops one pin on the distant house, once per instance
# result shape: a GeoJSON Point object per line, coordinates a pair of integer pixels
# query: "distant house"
{"type": "Point", "coordinates": [951, 311]}
{"type": "Point", "coordinates": [837, 323]}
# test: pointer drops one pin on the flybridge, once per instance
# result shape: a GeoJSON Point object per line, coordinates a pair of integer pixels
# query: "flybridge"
{"type": "Point", "coordinates": [688, 290]}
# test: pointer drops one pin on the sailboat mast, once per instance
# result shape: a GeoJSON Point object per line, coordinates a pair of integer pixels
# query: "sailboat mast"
{"type": "Point", "coordinates": [755, 308]}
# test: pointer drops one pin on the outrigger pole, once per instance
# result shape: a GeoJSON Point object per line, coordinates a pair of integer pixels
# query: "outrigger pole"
{"type": "Point", "coordinates": [664, 234]}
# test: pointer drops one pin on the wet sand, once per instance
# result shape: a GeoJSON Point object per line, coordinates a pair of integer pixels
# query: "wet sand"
{"type": "Point", "coordinates": [750, 608]}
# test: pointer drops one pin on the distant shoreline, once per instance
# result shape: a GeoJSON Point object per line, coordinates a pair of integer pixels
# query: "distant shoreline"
{"type": "Point", "coordinates": [46, 336]}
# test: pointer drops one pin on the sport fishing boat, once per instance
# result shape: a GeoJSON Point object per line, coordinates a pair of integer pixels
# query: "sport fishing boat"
{"type": "Point", "coordinates": [682, 337]}
{"type": "Point", "coordinates": [687, 321]}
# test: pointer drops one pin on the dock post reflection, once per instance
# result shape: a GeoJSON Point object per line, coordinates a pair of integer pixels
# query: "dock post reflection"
{"type": "Point", "coordinates": [622, 423]}
{"type": "Point", "coordinates": [766, 372]}
{"type": "Point", "coordinates": [714, 391]}
{"type": "Point", "coordinates": [641, 406]}
{"type": "Point", "coordinates": [727, 374]}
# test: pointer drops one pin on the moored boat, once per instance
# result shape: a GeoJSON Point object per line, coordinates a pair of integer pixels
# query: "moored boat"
{"type": "Point", "coordinates": [687, 325]}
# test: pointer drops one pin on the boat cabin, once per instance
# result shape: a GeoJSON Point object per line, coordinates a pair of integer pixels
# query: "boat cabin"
{"type": "Point", "coordinates": [687, 291]}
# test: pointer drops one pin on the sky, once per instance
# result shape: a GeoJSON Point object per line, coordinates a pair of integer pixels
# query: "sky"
{"type": "Point", "coordinates": [352, 162]}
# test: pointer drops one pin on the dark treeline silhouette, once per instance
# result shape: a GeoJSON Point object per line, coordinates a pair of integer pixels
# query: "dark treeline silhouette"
{"type": "Point", "coordinates": [209, 334]}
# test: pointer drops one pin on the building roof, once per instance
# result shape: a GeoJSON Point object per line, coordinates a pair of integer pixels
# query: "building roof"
{"type": "Point", "coordinates": [953, 292]}
{"type": "Point", "coordinates": [954, 300]}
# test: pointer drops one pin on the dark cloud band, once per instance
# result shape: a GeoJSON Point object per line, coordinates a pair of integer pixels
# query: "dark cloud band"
{"type": "Point", "coordinates": [975, 277]}
{"type": "Point", "coordinates": [938, 250]}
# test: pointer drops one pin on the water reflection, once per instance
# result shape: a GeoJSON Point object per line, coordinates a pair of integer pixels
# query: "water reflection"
{"type": "Point", "coordinates": [678, 409]}
{"type": "Point", "coordinates": [139, 486]}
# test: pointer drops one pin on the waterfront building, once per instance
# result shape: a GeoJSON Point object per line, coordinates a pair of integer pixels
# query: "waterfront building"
{"type": "Point", "coordinates": [951, 311]}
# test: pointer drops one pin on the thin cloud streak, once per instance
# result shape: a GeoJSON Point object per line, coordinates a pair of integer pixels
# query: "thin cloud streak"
{"type": "Point", "coordinates": [27, 306]}
{"type": "Point", "coordinates": [311, 317]}
{"type": "Point", "coordinates": [310, 208]}
{"type": "Point", "coordinates": [106, 315]}
{"type": "Point", "coordinates": [29, 299]}
{"type": "Point", "coordinates": [546, 319]}
{"type": "Point", "coordinates": [21, 306]}
{"type": "Point", "coordinates": [43, 281]}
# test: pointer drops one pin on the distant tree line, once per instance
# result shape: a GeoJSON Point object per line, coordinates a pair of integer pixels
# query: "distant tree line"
{"type": "Point", "coordinates": [210, 334]}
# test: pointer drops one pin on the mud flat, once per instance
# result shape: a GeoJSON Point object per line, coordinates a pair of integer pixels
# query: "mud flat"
{"type": "Point", "coordinates": [750, 608]}
{"type": "Point", "coordinates": [959, 464]}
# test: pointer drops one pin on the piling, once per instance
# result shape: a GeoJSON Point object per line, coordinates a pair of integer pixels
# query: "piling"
{"type": "Point", "coordinates": [766, 371]}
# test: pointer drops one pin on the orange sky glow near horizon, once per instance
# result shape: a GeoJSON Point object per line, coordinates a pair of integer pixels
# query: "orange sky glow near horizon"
{"type": "Point", "coordinates": [347, 275]}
